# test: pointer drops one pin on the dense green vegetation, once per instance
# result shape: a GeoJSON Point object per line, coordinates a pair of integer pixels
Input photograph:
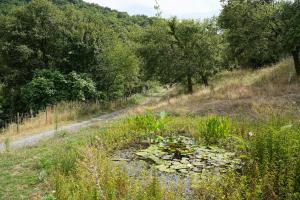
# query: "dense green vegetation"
{"type": "Point", "coordinates": [102, 54]}
{"type": "Point", "coordinates": [55, 53]}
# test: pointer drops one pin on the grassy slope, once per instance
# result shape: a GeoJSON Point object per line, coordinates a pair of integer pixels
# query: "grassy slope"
{"type": "Point", "coordinates": [22, 173]}
{"type": "Point", "coordinates": [246, 92]}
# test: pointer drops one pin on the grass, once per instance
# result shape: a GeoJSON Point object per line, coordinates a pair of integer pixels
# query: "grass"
{"type": "Point", "coordinates": [78, 166]}
{"type": "Point", "coordinates": [63, 164]}
{"type": "Point", "coordinates": [54, 116]}
{"type": "Point", "coordinates": [23, 172]}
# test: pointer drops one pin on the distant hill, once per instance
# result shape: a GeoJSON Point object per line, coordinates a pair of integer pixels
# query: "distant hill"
{"type": "Point", "coordinates": [113, 18]}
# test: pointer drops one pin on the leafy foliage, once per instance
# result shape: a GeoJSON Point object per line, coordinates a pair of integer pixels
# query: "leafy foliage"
{"type": "Point", "coordinates": [251, 42]}
{"type": "Point", "coordinates": [49, 87]}
{"type": "Point", "coordinates": [215, 128]}
{"type": "Point", "coordinates": [150, 122]}
{"type": "Point", "coordinates": [63, 51]}
{"type": "Point", "coordinates": [187, 51]}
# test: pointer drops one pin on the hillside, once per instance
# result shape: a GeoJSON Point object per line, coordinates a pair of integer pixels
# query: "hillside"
{"type": "Point", "coordinates": [243, 93]}
{"type": "Point", "coordinates": [111, 17]}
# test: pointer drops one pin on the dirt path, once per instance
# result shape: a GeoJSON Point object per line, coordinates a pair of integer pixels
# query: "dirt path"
{"type": "Point", "coordinates": [33, 139]}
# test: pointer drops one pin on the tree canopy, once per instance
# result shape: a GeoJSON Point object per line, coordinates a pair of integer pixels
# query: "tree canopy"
{"type": "Point", "coordinates": [185, 51]}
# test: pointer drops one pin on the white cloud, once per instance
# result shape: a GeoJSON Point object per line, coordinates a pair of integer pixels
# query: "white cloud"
{"type": "Point", "coordinates": [179, 8]}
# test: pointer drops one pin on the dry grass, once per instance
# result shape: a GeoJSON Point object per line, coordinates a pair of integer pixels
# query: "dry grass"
{"type": "Point", "coordinates": [55, 116]}
{"type": "Point", "coordinates": [242, 91]}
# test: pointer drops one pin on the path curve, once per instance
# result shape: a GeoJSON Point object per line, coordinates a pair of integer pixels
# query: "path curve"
{"type": "Point", "coordinates": [33, 139]}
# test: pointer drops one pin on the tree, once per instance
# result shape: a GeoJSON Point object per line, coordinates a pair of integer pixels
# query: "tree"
{"type": "Point", "coordinates": [200, 46]}
{"type": "Point", "coordinates": [117, 76]}
{"type": "Point", "coordinates": [62, 50]}
{"type": "Point", "coordinates": [28, 41]}
{"type": "Point", "coordinates": [248, 27]}
{"type": "Point", "coordinates": [289, 30]}
{"type": "Point", "coordinates": [185, 51]}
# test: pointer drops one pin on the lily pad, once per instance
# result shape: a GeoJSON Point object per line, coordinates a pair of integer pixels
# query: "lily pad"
{"type": "Point", "coordinates": [181, 154]}
{"type": "Point", "coordinates": [164, 168]}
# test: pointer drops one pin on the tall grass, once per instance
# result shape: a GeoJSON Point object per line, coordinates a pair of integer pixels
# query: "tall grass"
{"type": "Point", "coordinates": [214, 129]}
{"type": "Point", "coordinates": [54, 116]}
{"type": "Point", "coordinates": [98, 178]}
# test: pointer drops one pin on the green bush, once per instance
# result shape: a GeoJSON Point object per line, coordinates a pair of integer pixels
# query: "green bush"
{"type": "Point", "coordinates": [215, 128]}
{"type": "Point", "coordinates": [49, 87]}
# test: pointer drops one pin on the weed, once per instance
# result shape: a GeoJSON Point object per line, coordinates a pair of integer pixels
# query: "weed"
{"type": "Point", "coordinates": [215, 128]}
{"type": "Point", "coordinates": [97, 178]}
{"type": "Point", "coordinates": [150, 123]}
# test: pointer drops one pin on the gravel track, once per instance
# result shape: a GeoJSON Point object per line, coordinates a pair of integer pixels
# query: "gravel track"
{"type": "Point", "coordinates": [33, 139]}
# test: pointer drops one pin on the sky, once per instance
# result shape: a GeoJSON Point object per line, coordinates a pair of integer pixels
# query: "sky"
{"type": "Point", "coordinates": [196, 9]}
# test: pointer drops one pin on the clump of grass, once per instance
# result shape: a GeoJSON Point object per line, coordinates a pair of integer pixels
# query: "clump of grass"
{"type": "Point", "coordinates": [150, 123]}
{"type": "Point", "coordinates": [49, 197]}
{"type": "Point", "coordinates": [7, 144]}
{"type": "Point", "coordinates": [215, 128]}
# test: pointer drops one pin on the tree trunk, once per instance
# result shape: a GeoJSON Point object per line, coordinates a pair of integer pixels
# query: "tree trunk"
{"type": "Point", "coordinates": [189, 83]}
{"type": "Point", "coordinates": [205, 80]}
{"type": "Point", "coordinates": [295, 54]}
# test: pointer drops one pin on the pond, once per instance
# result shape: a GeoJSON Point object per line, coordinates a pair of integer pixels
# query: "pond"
{"type": "Point", "coordinates": [184, 156]}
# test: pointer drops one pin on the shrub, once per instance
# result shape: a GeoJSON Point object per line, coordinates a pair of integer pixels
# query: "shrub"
{"type": "Point", "coordinates": [49, 87]}
{"type": "Point", "coordinates": [215, 128]}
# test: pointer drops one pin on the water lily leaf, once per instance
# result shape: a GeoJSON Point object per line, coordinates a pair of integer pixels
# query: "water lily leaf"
{"type": "Point", "coordinates": [178, 165]}
{"type": "Point", "coordinates": [164, 168]}
{"type": "Point", "coordinates": [143, 154]}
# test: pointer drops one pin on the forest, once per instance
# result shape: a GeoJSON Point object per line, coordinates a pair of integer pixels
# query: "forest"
{"type": "Point", "coordinates": [64, 52]}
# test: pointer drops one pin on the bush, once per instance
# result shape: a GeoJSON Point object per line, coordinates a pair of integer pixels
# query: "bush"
{"type": "Point", "coordinates": [215, 128]}
{"type": "Point", "coordinates": [50, 87]}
